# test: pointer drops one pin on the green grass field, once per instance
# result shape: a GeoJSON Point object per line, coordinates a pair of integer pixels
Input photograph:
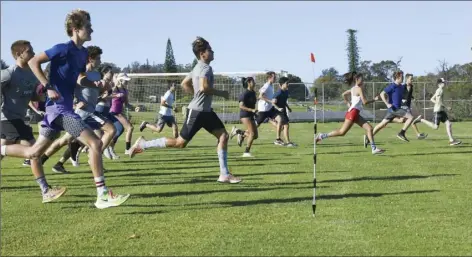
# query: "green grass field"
{"type": "Point", "coordinates": [414, 200]}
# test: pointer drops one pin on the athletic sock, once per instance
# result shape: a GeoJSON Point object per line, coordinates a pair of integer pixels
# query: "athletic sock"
{"type": "Point", "coordinates": [402, 132]}
{"type": "Point", "coordinates": [223, 160]}
{"type": "Point", "coordinates": [3, 150]}
{"type": "Point", "coordinates": [248, 149]}
{"type": "Point", "coordinates": [373, 146]}
{"type": "Point", "coordinates": [128, 145]}
{"type": "Point", "coordinates": [74, 149]}
{"type": "Point", "coordinates": [100, 184]}
{"type": "Point", "coordinates": [43, 184]}
{"type": "Point", "coordinates": [44, 158]}
{"type": "Point", "coordinates": [323, 135]}
{"type": "Point", "coordinates": [160, 143]}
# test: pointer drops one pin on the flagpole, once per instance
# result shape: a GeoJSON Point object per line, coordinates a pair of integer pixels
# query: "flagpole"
{"type": "Point", "coordinates": [315, 128]}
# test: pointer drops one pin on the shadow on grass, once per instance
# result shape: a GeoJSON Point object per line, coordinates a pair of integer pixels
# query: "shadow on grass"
{"type": "Point", "coordinates": [387, 178]}
{"type": "Point", "coordinates": [213, 205]}
{"type": "Point", "coordinates": [434, 153]}
{"type": "Point", "coordinates": [227, 190]}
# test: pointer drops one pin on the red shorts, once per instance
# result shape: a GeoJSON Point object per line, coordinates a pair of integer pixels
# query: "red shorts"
{"type": "Point", "coordinates": [353, 114]}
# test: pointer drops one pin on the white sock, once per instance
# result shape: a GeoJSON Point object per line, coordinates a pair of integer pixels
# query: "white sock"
{"type": "Point", "coordinates": [100, 184]}
{"type": "Point", "coordinates": [160, 143]}
{"type": "Point", "coordinates": [3, 150]}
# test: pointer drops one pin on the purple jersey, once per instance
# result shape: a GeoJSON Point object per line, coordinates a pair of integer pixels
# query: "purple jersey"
{"type": "Point", "coordinates": [67, 62]}
{"type": "Point", "coordinates": [117, 102]}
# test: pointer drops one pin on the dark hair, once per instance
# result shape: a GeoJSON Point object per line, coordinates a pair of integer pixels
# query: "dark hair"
{"type": "Point", "coordinates": [269, 74]}
{"type": "Point", "coordinates": [76, 20]}
{"type": "Point", "coordinates": [200, 45]}
{"type": "Point", "coordinates": [349, 77]}
{"type": "Point", "coordinates": [283, 80]}
{"type": "Point", "coordinates": [408, 75]}
{"type": "Point", "coordinates": [19, 46]}
{"type": "Point", "coordinates": [105, 69]}
{"type": "Point", "coordinates": [94, 51]}
{"type": "Point", "coordinates": [358, 76]}
{"type": "Point", "coordinates": [397, 74]}
{"type": "Point", "coordinates": [246, 81]}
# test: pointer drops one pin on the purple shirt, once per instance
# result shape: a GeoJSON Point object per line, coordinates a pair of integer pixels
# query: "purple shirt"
{"type": "Point", "coordinates": [395, 94]}
{"type": "Point", "coordinates": [117, 102]}
{"type": "Point", "coordinates": [67, 62]}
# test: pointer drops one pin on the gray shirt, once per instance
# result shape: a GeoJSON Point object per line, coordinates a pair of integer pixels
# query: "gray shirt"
{"type": "Point", "coordinates": [18, 87]}
{"type": "Point", "coordinates": [89, 95]}
{"type": "Point", "coordinates": [201, 102]}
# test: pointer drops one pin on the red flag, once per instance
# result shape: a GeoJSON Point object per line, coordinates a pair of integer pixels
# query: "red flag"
{"type": "Point", "coordinates": [312, 57]}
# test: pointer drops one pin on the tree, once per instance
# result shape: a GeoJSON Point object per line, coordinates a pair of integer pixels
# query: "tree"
{"type": "Point", "coordinates": [3, 64]}
{"type": "Point", "coordinates": [444, 69]}
{"type": "Point", "coordinates": [332, 83]}
{"type": "Point", "coordinates": [352, 50]}
{"type": "Point", "coordinates": [383, 71]}
{"type": "Point", "coordinates": [297, 89]}
{"type": "Point", "coordinates": [169, 64]}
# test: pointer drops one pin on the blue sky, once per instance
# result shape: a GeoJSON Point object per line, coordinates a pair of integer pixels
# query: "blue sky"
{"type": "Point", "coordinates": [248, 36]}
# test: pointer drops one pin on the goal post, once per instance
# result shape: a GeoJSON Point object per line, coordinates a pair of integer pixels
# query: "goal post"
{"type": "Point", "coordinates": [146, 89]}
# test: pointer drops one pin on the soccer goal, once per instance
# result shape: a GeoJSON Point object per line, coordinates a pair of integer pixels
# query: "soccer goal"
{"type": "Point", "coordinates": [146, 89]}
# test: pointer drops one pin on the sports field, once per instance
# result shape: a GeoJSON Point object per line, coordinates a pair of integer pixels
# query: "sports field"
{"type": "Point", "coordinates": [413, 200]}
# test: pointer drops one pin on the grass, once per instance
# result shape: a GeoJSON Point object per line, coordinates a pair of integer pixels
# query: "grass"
{"type": "Point", "coordinates": [414, 200]}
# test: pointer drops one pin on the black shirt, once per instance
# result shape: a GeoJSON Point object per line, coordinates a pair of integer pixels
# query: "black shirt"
{"type": "Point", "coordinates": [249, 99]}
{"type": "Point", "coordinates": [407, 95]}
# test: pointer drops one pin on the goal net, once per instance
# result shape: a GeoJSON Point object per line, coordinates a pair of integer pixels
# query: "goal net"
{"type": "Point", "coordinates": [146, 90]}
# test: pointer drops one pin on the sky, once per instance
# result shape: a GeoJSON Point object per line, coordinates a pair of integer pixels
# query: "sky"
{"type": "Point", "coordinates": [255, 36]}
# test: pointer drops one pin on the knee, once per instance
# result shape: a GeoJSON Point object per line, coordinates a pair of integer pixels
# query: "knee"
{"type": "Point", "coordinates": [369, 128]}
{"type": "Point", "coordinates": [180, 143]}
{"type": "Point", "coordinates": [34, 152]}
{"type": "Point", "coordinates": [224, 137]}
{"type": "Point", "coordinates": [96, 145]}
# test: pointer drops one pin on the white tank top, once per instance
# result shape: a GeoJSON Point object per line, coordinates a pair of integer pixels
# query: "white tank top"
{"type": "Point", "coordinates": [356, 101]}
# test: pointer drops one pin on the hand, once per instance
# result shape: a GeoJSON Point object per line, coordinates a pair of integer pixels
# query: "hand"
{"type": "Point", "coordinates": [280, 109]}
{"type": "Point", "coordinates": [41, 113]}
{"type": "Point", "coordinates": [448, 108]}
{"type": "Point", "coordinates": [119, 95]}
{"type": "Point", "coordinates": [274, 101]}
{"type": "Point", "coordinates": [376, 98]}
{"type": "Point", "coordinates": [99, 84]}
{"type": "Point", "coordinates": [289, 110]}
{"type": "Point", "coordinates": [389, 106]}
{"type": "Point", "coordinates": [176, 109]}
{"type": "Point", "coordinates": [254, 110]}
{"type": "Point", "coordinates": [53, 94]}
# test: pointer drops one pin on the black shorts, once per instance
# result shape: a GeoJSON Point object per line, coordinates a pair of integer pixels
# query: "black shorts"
{"type": "Point", "coordinates": [15, 130]}
{"type": "Point", "coordinates": [249, 115]}
{"type": "Point", "coordinates": [35, 118]}
{"type": "Point", "coordinates": [162, 120]}
{"type": "Point", "coordinates": [283, 117]}
{"type": "Point", "coordinates": [262, 116]}
{"type": "Point", "coordinates": [196, 120]}
{"type": "Point", "coordinates": [440, 117]}
{"type": "Point", "coordinates": [394, 113]}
